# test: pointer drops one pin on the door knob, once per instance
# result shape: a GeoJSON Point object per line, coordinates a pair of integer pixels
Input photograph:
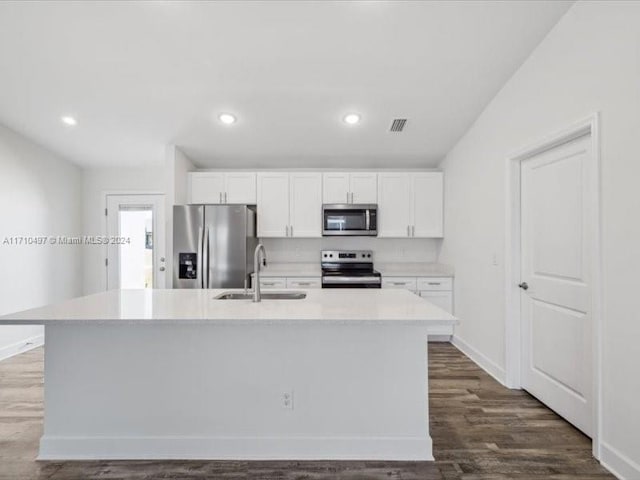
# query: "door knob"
{"type": "Point", "coordinates": [524, 285]}
{"type": "Point", "coordinates": [162, 269]}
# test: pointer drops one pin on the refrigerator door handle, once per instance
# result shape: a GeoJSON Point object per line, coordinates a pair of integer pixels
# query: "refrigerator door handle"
{"type": "Point", "coordinates": [199, 260]}
{"type": "Point", "coordinates": [205, 259]}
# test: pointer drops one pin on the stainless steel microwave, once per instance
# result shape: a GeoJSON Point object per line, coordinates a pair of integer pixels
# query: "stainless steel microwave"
{"type": "Point", "coordinates": [350, 219]}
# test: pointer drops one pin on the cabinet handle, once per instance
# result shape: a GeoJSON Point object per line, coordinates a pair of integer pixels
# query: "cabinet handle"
{"type": "Point", "coordinates": [220, 197]}
{"type": "Point", "coordinates": [286, 230]}
{"type": "Point", "coordinates": [413, 230]}
{"type": "Point", "coordinates": [225, 197]}
{"type": "Point", "coordinates": [268, 284]}
{"type": "Point", "coordinates": [399, 283]}
{"type": "Point", "coordinates": [347, 197]}
{"type": "Point", "coordinates": [291, 229]}
{"type": "Point", "coordinates": [351, 197]}
{"type": "Point", "coordinates": [304, 283]}
{"type": "Point", "coordinates": [408, 231]}
{"type": "Point", "coordinates": [434, 283]}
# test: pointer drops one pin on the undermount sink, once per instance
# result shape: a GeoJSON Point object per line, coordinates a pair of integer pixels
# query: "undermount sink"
{"type": "Point", "coordinates": [264, 296]}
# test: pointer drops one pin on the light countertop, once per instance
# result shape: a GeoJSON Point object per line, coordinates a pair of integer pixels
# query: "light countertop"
{"type": "Point", "coordinates": [352, 306]}
{"type": "Point", "coordinates": [414, 269]}
{"type": "Point", "coordinates": [387, 269]}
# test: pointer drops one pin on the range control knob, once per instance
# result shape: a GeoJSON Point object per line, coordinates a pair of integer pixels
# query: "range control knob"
{"type": "Point", "coordinates": [369, 255]}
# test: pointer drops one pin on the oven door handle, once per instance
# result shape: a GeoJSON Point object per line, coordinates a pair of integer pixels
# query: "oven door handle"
{"type": "Point", "coordinates": [345, 279]}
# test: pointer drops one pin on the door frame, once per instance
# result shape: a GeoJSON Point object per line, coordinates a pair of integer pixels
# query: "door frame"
{"type": "Point", "coordinates": [105, 205]}
{"type": "Point", "coordinates": [513, 319]}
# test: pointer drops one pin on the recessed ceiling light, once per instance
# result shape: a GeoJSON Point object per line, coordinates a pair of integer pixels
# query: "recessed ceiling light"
{"type": "Point", "coordinates": [227, 118]}
{"type": "Point", "coordinates": [351, 119]}
{"type": "Point", "coordinates": [72, 122]}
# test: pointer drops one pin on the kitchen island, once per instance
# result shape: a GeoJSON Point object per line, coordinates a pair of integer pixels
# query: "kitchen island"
{"type": "Point", "coordinates": [178, 374]}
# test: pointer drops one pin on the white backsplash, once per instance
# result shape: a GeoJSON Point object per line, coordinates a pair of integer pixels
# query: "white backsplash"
{"type": "Point", "coordinates": [386, 250]}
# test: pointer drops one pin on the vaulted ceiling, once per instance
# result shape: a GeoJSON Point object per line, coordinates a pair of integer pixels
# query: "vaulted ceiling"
{"type": "Point", "coordinates": [138, 76]}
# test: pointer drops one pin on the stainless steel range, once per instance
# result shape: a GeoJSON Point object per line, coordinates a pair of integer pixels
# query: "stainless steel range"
{"type": "Point", "coordinates": [349, 269]}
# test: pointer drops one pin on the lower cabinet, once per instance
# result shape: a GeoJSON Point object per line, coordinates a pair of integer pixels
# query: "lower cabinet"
{"type": "Point", "coordinates": [437, 290]}
{"type": "Point", "coordinates": [290, 282]}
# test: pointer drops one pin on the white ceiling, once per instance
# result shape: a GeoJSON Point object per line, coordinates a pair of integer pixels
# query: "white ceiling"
{"type": "Point", "coordinates": [139, 76]}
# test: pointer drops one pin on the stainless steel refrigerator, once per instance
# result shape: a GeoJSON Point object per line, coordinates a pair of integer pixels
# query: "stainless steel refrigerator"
{"type": "Point", "coordinates": [213, 245]}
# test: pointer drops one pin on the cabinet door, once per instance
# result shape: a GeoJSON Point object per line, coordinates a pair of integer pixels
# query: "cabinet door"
{"type": "Point", "coordinates": [444, 300]}
{"type": "Point", "coordinates": [394, 205]}
{"type": "Point", "coordinates": [206, 187]}
{"type": "Point", "coordinates": [273, 204]}
{"type": "Point", "coordinates": [273, 282]}
{"type": "Point", "coordinates": [304, 282]}
{"type": "Point", "coordinates": [427, 204]}
{"type": "Point", "coordinates": [335, 187]}
{"type": "Point", "coordinates": [241, 188]}
{"type": "Point", "coordinates": [305, 204]}
{"type": "Point", "coordinates": [405, 283]}
{"type": "Point", "coordinates": [363, 187]}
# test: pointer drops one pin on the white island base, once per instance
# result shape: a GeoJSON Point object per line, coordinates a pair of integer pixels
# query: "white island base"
{"type": "Point", "coordinates": [163, 388]}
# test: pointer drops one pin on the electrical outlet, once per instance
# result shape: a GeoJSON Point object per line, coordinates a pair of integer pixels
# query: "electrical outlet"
{"type": "Point", "coordinates": [287, 399]}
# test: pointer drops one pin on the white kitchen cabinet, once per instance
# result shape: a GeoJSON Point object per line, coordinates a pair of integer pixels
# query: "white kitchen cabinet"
{"type": "Point", "coordinates": [305, 204]}
{"type": "Point", "coordinates": [240, 188]}
{"type": "Point", "coordinates": [444, 300]}
{"type": "Point", "coordinates": [290, 282]}
{"type": "Point", "coordinates": [406, 283]}
{"type": "Point", "coordinates": [273, 282]}
{"type": "Point", "coordinates": [394, 204]}
{"type": "Point", "coordinates": [427, 195]}
{"type": "Point", "coordinates": [335, 187]}
{"type": "Point", "coordinates": [273, 204]}
{"type": "Point", "coordinates": [222, 187]}
{"type": "Point", "coordinates": [304, 282]}
{"type": "Point", "coordinates": [410, 204]}
{"type": "Point", "coordinates": [290, 204]}
{"type": "Point", "coordinates": [437, 290]}
{"type": "Point", "coordinates": [350, 187]}
{"type": "Point", "coordinates": [206, 187]}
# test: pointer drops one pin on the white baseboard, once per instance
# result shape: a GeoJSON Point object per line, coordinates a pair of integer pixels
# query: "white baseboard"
{"type": "Point", "coordinates": [236, 448]}
{"type": "Point", "coordinates": [617, 463]}
{"type": "Point", "coordinates": [21, 346]}
{"type": "Point", "coordinates": [480, 359]}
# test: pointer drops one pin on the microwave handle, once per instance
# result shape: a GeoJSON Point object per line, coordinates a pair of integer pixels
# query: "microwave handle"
{"type": "Point", "coordinates": [367, 221]}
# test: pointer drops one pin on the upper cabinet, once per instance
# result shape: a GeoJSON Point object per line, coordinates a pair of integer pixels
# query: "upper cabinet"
{"type": "Point", "coordinates": [410, 204]}
{"type": "Point", "coordinates": [289, 204]}
{"type": "Point", "coordinates": [222, 187]}
{"type": "Point", "coordinates": [350, 187]}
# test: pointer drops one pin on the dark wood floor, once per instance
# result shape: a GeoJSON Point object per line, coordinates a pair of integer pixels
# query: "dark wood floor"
{"type": "Point", "coordinates": [480, 429]}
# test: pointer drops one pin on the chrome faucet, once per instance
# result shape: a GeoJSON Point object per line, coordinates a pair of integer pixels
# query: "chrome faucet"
{"type": "Point", "coordinates": [256, 271]}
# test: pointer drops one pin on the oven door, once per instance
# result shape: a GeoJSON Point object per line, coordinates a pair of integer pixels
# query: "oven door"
{"type": "Point", "coordinates": [351, 282]}
{"type": "Point", "coordinates": [348, 219]}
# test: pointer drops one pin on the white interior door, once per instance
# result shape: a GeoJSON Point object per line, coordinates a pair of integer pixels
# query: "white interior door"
{"type": "Point", "coordinates": [556, 300]}
{"type": "Point", "coordinates": [136, 241]}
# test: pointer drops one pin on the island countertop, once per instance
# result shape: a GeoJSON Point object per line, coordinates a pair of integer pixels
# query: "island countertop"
{"type": "Point", "coordinates": [352, 306]}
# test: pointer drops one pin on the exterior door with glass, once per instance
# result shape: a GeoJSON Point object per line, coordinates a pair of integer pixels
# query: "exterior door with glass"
{"type": "Point", "coordinates": [136, 241]}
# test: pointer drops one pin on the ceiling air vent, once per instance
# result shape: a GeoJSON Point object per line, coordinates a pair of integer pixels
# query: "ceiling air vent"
{"type": "Point", "coordinates": [398, 124]}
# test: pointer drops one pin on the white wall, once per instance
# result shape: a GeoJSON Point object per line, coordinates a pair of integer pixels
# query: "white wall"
{"type": "Point", "coordinates": [589, 62]}
{"type": "Point", "coordinates": [307, 250]}
{"type": "Point", "coordinates": [177, 167]}
{"type": "Point", "coordinates": [39, 195]}
{"type": "Point", "coordinates": [96, 183]}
